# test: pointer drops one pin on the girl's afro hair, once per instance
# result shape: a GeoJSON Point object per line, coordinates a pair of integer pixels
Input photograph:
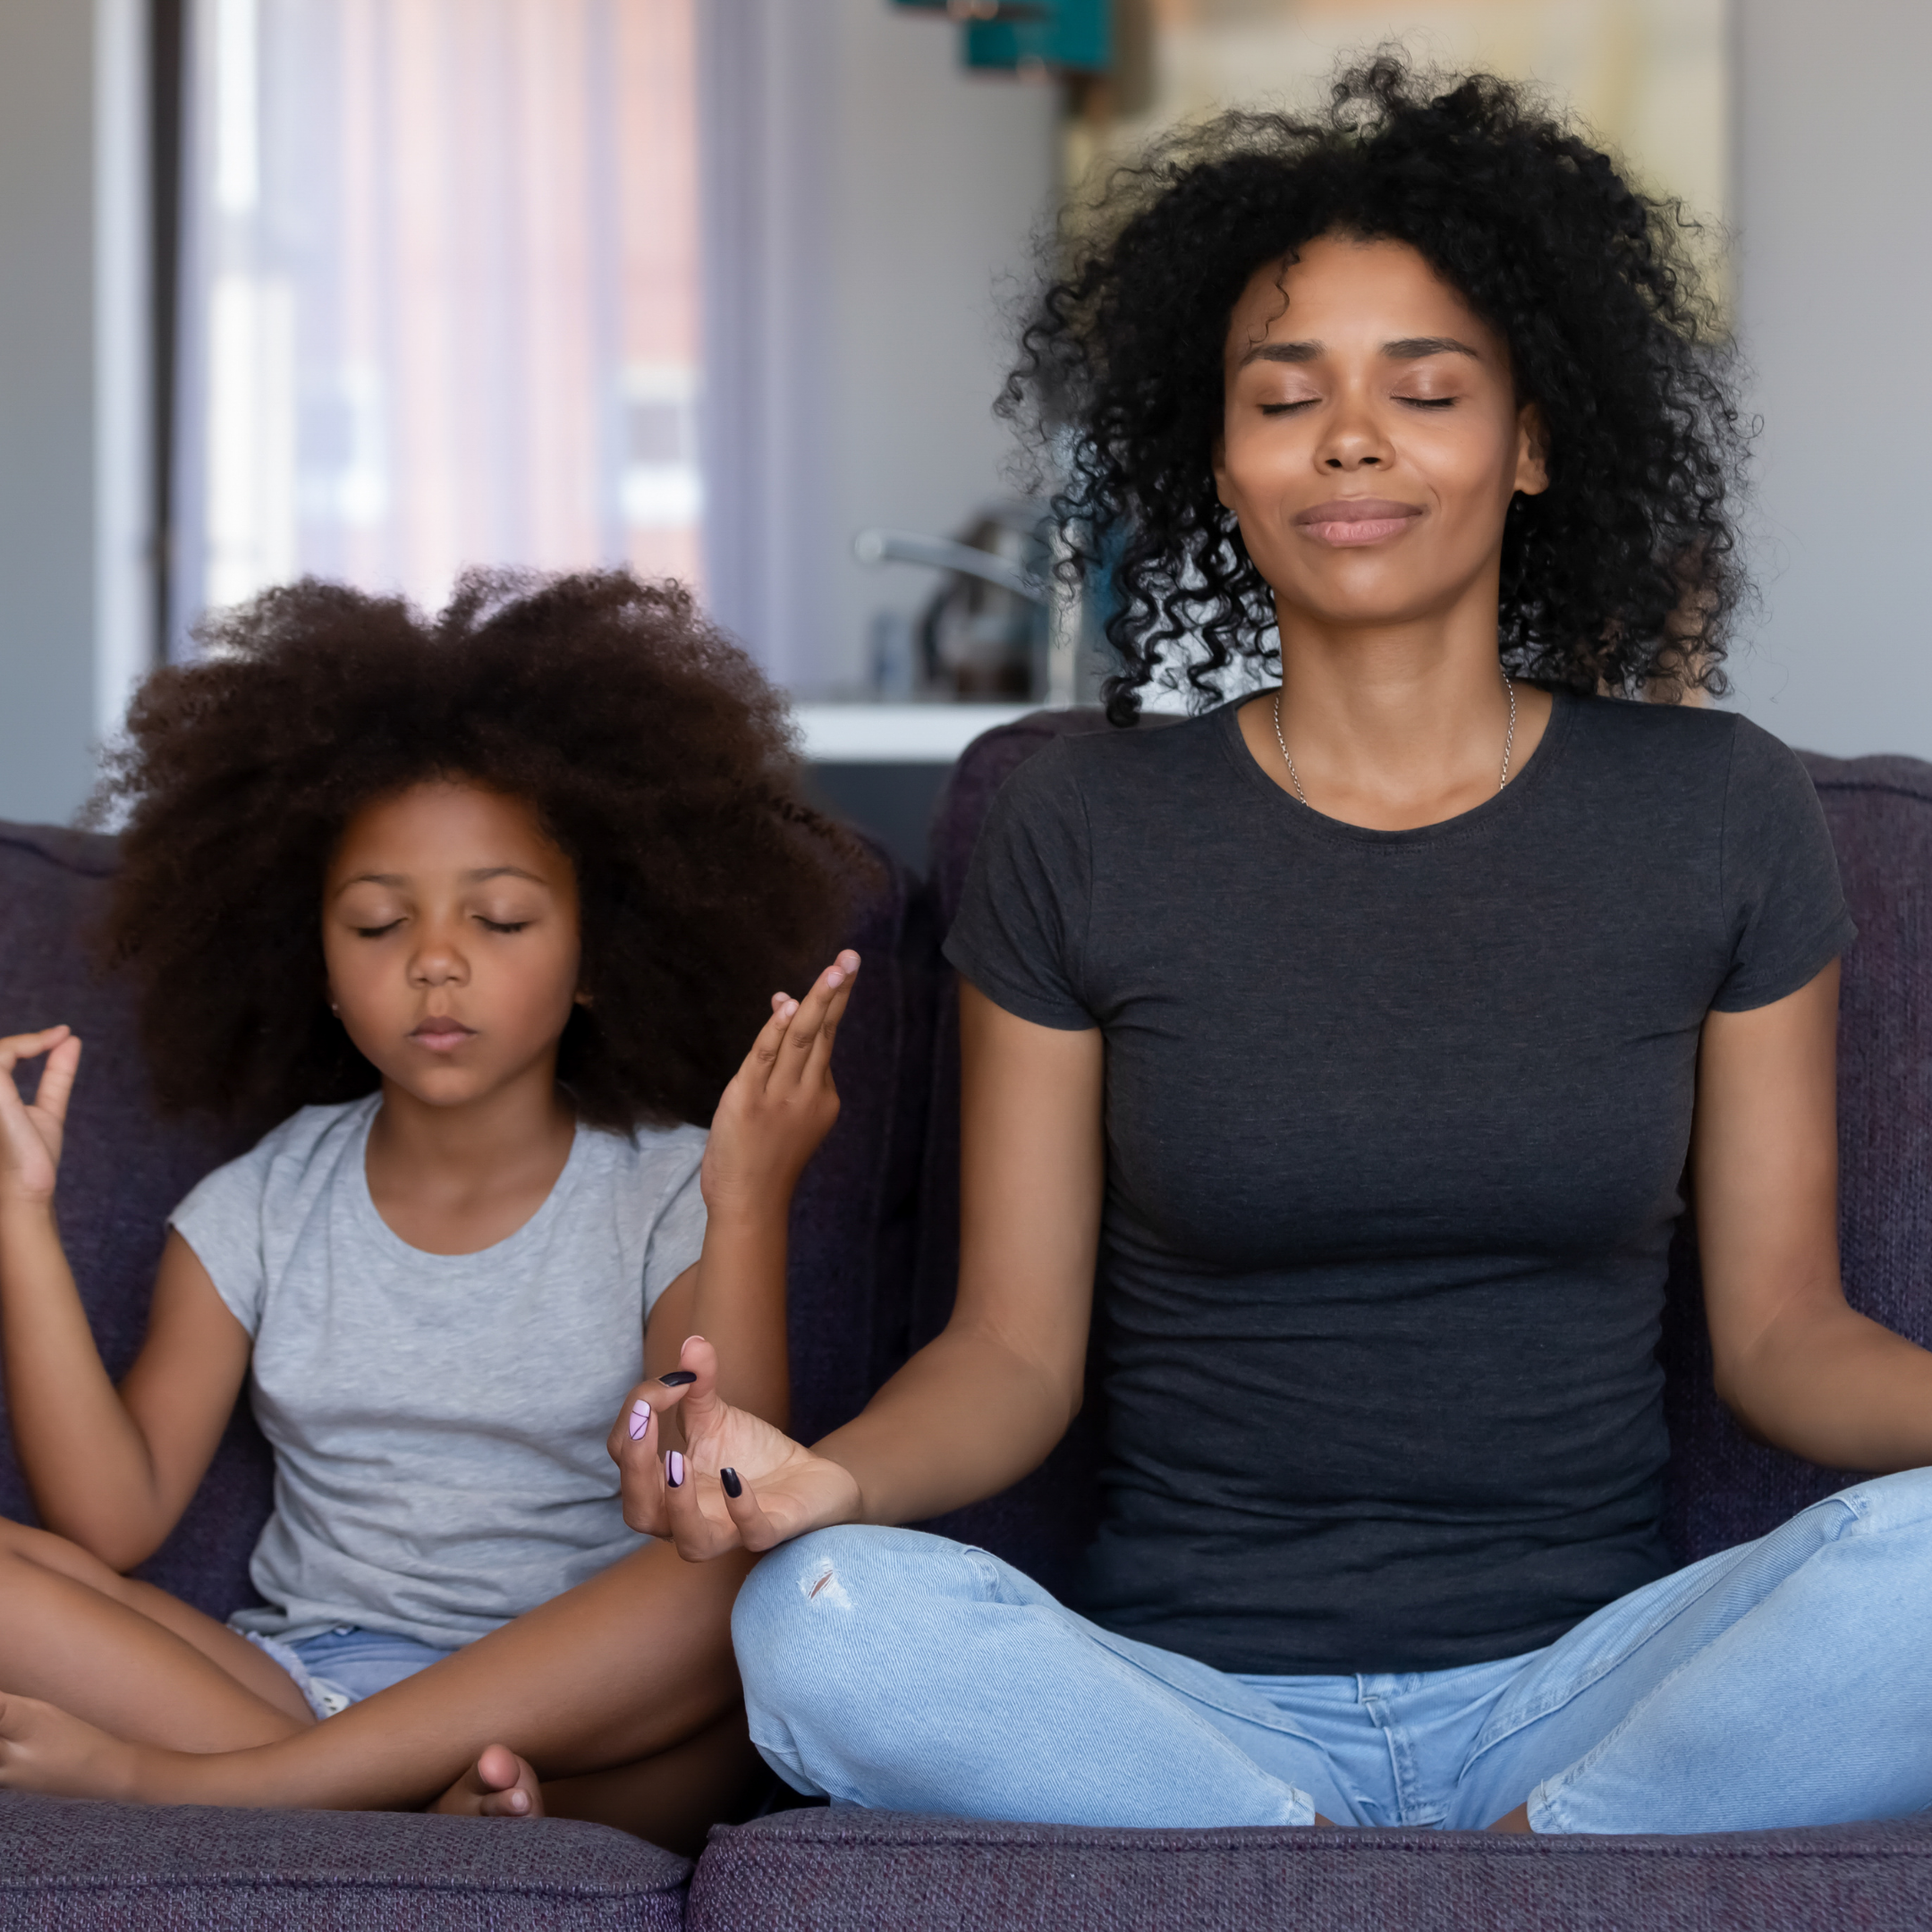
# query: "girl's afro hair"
{"type": "Point", "coordinates": [1620, 577]}
{"type": "Point", "coordinates": [650, 748]}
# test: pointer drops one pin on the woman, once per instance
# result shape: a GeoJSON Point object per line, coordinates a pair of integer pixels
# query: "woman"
{"type": "Point", "coordinates": [1341, 1050]}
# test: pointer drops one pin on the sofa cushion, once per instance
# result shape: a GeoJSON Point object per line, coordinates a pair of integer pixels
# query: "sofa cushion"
{"type": "Point", "coordinates": [121, 1172]}
{"type": "Point", "coordinates": [1724, 1489]}
{"type": "Point", "coordinates": [71, 1866]}
{"type": "Point", "coordinates": [844, 1870]}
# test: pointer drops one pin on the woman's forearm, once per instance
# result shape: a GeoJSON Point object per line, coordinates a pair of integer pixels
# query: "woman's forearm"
{"type": "Point", "coordinates": [1830, 1385]}
{"type": "Point", "coordinates": [86, 1462]}
{"type": "Point", "coordinates": [966, 1418]}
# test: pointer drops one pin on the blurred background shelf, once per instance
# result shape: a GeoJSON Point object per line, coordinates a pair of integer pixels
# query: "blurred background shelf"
{"type": "Point", "coordinates": [880, 766]}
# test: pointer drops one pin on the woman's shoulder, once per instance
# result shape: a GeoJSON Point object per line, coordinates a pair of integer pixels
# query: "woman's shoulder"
{"type": "Point", "coordinates": [1678, 747]}
{"type": "Point", "coordinates": [1162, 747]}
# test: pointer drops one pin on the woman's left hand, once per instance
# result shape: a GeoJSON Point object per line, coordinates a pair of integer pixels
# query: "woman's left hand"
{"type": "Point", "coordinates": [780, 1103]}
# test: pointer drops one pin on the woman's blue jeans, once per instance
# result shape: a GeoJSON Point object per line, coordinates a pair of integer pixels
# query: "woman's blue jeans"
{"type": "Point", "coordinates": [1786, 1682]}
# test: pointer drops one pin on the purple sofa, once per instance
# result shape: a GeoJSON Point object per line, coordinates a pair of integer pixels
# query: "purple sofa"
{"type": "Point", "coordinates": [875, 1237]}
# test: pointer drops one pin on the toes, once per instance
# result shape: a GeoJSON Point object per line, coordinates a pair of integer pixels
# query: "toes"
{"type": "Point", "coordinates": [497, 1767]}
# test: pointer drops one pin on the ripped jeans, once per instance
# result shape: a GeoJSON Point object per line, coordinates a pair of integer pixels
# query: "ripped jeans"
{"type": "Point", "coordinates": [1787, 1682]}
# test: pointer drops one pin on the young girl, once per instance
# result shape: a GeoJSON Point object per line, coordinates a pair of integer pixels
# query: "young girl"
{"type": "Point", "coordinates": [485, 912]}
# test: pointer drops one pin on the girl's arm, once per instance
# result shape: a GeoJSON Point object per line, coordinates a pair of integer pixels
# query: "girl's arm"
{"type": "Point", "coordinates": [110, 1469]}
{"type": "Point", "coordinates": [1797, 1366]}
{"type": "Point", "coordinates": [779, 1107]}
{"type": "Point", "coordinates": [983, 1403]}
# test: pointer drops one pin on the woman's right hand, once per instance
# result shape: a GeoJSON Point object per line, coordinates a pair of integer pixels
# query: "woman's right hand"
{"type": "Point", "coordinates": [31, 1136]}
{"type": "Point", "coordinates": [783, 1489]}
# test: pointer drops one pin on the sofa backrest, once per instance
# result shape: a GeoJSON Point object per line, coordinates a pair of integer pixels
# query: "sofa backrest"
{"type": "Point", "coordinates": [852, 1221]}
{"type": "Point", "coordinates": [1721, 1487]}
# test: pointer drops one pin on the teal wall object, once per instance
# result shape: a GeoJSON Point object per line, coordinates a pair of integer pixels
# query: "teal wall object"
{"type": "Point", "coordinates": [1003, 35]}
{"type": "Point", "coordinates": [1065, 36]}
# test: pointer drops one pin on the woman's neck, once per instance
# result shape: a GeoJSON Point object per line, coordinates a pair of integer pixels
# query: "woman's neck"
{"type": "Point", "coordinates": [1393, 725]}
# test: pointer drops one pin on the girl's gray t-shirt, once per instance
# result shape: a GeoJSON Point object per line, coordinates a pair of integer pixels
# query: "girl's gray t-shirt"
{"type": "Point", "coordinates": [1395, 1122]}
{"type": "Point", "coordinates": [439, 1421]}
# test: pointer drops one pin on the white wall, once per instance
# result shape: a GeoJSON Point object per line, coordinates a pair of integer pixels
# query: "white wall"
{"type": "Point", "coordinates": [1833, 183]}
{"type": "Point", "coordinates": [869, 198]}
{"type": "Point", "coordinates": [73, 488]}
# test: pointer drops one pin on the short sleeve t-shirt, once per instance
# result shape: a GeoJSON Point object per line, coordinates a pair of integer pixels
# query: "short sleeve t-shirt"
{"type": "Point", "coordinates": [439, 1421]}
{"type": "Point", "coordinates": [1395, 1122]}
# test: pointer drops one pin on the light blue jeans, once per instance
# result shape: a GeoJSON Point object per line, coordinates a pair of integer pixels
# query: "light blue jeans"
{"type": "Point", "coordinates": [1786, 1682]}
{"type": "Point", "coordinates": [342, 1666]}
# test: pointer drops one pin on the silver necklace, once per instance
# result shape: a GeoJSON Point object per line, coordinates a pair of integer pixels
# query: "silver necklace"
{"type": "Point", "coordinates": [1509, 742]}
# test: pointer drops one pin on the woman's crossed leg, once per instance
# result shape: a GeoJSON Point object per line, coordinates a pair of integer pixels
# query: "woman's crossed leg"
{"type": "Point", "coordinates": [1784, 1683]}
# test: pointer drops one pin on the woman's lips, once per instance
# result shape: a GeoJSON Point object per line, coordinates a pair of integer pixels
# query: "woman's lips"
{"type": "Point", "coordinates": [1357, 520]}
{"type": "Point", "coordinates": [442, 1036]}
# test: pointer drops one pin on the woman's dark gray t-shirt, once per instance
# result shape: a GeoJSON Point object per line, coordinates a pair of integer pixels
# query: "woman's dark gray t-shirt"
{"type": "Point", "coordinates": [1395, 1122]}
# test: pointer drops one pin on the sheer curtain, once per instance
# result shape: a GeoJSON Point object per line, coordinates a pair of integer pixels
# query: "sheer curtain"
{"type": "Point", "coordinates": [439, 294]}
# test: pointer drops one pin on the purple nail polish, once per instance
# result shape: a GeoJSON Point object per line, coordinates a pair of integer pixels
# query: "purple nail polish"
{"type": "Point", "coordinates": [733, 1486]}
{"type": "Point", "coordinates": [674, 1469]}
{"type": "Point", "coordinates": [640, 1420]}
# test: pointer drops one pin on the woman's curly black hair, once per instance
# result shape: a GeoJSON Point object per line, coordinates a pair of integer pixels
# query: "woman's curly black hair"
{"type": "Point", "coordinates": [650, 748]}
{"type": "Point", "coordinates": [1620, 577]}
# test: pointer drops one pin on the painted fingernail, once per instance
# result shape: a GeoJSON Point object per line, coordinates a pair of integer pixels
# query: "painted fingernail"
{"type": "Point", "coordinates": [673, 1469]}
{"type": "Point", "coordinates": [678, 1379]}
{"type": "Point", "coordinates": [729, 1478]}
{"type": "Point", "coordinates": [640, 1420]}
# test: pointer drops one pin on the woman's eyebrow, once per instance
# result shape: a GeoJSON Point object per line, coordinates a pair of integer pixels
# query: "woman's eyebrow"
{"type": "Point", "coordinates": [1412, 348]}
{"type": "Point", "coordinates": [1404, 348]}
{"type": "Point", "coordinates": [1282, 352]}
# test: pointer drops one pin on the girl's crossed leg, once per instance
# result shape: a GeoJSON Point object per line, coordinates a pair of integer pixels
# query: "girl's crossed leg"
{"type": "Point", "coordinates": [1787, 1682]}
{"type": "Point", "coordinates": [621, 1694]}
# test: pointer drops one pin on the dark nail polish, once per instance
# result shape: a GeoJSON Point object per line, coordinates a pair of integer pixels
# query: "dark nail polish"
{"type": "Point", "coordinates": [674, 1469]}
{"type": "Point", "coordinates": [678, 1379]}
{"type": "Point", "coordinates": [733, 1486]}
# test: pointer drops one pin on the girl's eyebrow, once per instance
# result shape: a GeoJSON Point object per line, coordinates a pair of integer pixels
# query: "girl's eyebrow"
{"type": "Point", "coordinates": [400, 882]}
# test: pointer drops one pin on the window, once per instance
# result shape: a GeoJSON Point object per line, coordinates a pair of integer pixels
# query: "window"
{"type": "Point", "coordinates": [439, 294]}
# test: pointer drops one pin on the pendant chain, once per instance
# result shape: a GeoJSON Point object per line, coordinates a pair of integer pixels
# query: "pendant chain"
{"type": "Point", "coordinates": [1509, 742]}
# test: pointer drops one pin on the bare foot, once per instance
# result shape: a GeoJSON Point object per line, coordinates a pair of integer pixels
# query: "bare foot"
{"type": "Point", "coordinates": [42, 1749]}
{"type": "Point", "coordinates": [1517, 1820]}
{"type": "Point", "coordinates": [499, 1784]}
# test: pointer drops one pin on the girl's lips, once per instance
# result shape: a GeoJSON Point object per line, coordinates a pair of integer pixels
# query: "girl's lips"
{"type": "Point", "coordinates": [1351, 520]}
{"type": "Point", "coordinates": [442, 1036]}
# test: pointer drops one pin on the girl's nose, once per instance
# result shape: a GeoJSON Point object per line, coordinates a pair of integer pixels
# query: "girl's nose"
{"type": "Point", "coordinates": [437, 965]}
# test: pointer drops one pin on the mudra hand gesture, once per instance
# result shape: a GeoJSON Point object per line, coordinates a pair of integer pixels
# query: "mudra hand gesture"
{"type": "Point", "coordinates": [32, 1133]}
{"type": "Point", "coordinates": [739, 1484]}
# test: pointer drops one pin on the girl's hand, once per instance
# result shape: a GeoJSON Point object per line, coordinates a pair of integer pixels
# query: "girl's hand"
{"type": "Point", "coordinates": [783, 1488]}
{"type": "Point", "coordinates": [780, 1103]}
{"type": "Point", "coordinates": [31, 1136]}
